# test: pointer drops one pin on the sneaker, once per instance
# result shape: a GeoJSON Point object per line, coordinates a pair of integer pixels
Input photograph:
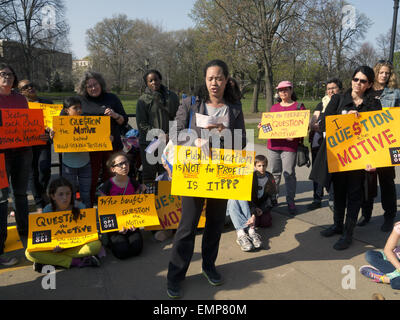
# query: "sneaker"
{"type": "Point", "coordinates": [37, 267]}
{"type": "Point", "coordinates": [255, 239]}
{"type": "Point", "coordinates": [292, 208]}
{"type": "Point", "coordinates": [8, 262]}
{"type": "Point", "coordinates": [213, 277]}
{"type": "Point", "coordinates": [372, 273]}
{"type": "Point", "coordinates": [91, 261]}
{"type": "Point", "coordinates": [174, 291]}
{"type": "Point", "coordinates": [245, 243]}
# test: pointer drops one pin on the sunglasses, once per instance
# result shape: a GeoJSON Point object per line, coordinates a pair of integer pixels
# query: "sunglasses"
{"type": "Point", "coordinates": [121, 164]}
{"type": "Point", "coordinates": [386, 61]}
{"type": "Point", "coordinates": [28, 86]}
{"type": "Point", "coordinates": [363, 81]}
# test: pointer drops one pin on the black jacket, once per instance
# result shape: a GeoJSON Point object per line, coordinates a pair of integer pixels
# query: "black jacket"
{"type": "Point", "coordinates": [96, 107]}
{"type": "Point", "coordinates": [339, 102]}
{"type": "Point", "coordinates": [186, 119]}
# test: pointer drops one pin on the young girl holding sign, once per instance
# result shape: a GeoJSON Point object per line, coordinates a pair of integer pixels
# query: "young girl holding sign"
{"type": "Point", "coordinates": [60, 194]}
{"type": "Point", "coordinates": [126, 242]}
{"type": "Point", "coordinates": [76, 166]}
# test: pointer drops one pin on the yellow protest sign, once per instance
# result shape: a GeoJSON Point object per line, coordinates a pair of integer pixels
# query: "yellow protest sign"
{"type": "Point", "coordinates": [13, 242]}
{"type": "Point", "coordinates": [48, 230]}
{"type": "Point", "coordinates": [81, 133]}
{"type": "Point", "coordinates": [49, 111]}
{"type": "Point", "coordinates": [117, 212]}
{"type": "Point", "coordinates": [372, 139]}
{"type": "Point", "coordinates": [223, 174]}
{"type": "Point", "coordinates": [169, 209]}
{"type": "Point", "coordinates": [283, 125]}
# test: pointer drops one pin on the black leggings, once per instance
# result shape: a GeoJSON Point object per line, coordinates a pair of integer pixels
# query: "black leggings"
{"type": "Point", "coordinates": [127, 245]}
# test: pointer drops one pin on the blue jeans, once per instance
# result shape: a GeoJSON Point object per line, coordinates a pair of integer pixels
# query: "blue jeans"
{"type": "Point", "coordinates": [239, 212]}
{"type": "Point", "coordinates": [377, 260]}
{"type": "Point", "coordinates": [81, 178]}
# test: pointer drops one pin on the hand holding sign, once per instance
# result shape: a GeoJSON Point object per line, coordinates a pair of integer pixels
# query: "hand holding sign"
{"type": "Point", "coordinates": [284, 125]}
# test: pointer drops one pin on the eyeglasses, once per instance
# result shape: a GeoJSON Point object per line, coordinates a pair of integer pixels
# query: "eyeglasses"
{"type": "Point", "coordinates": [93, 85]}
{"type": "Point", "coordinates": [6, 75]}
{"type": "Point", "coordinates": [27, 86]}
{"type": "Point", "coordinates": [121, 164]}
{"type": "Point", "coordinates": [363, 81]}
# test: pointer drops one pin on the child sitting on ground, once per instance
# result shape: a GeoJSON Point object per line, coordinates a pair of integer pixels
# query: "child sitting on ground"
{"type": "Point", "coordinates": [246, 216]}
{"type": "Point", "coordinates": [61, 199]}
{"type": "Point", "coordinates": [385, 264]}
{"type": "Point", "coordinates": [124, 243]}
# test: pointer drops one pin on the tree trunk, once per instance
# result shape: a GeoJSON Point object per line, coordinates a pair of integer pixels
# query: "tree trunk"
{"type": "Point", "coordinates": [256, 91]}
{"type": "Point", "coordinates": [269, 91]}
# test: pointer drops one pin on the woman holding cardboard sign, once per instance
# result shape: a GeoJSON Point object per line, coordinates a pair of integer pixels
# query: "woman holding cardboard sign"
{"type": "Point", "coordinates": [95, 100]}
{"type": "Point", "coordinates": [18, 163]}
{"type": "Point", "coordinates": [282, 152]}
{"type": "Point", "coordinates": [348, 185]}
{"type": "Point", "coordinates": [217, 98]}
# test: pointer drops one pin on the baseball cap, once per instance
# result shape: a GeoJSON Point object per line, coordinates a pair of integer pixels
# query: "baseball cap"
{"type": "Point", "coordinates": [284, 84]}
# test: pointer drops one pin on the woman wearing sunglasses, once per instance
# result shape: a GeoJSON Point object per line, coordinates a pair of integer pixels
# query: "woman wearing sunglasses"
{"type": "Point", "coordinates": [386, 90]}
{"type": "Point", "coordinates": [348, 185]}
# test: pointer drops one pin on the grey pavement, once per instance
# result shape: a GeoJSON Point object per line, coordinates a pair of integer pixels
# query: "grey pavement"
{"type": "Point", "coordinates": [296, 263]}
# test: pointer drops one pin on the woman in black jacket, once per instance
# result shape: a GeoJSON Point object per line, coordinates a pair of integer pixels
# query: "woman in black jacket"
{"type": "Point", "coordinates": [95, 101]}
{"type": "Point", "coordinates": [215, 98]}
{"type": "Point", "coordinates": [348, 185]}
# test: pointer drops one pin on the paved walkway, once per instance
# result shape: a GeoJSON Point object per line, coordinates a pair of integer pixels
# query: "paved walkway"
{"type": "Point", "coordinates": [295, 263]}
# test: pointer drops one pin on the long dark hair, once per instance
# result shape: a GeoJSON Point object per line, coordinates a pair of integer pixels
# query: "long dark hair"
{"type": "Point", "coordinates": [62, 182]}
{"type": "Point", "coordinates": [229, 94]}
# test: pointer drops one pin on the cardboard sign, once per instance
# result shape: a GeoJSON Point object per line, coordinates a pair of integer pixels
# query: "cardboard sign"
{"type": "Point", "coordinates": [283, 125]}
{"type": "Point", "coordinates": [81, 133]}
{"type": "Point", "coordinates": [49, 111]}
{"type": "Point", "coordinates": [223, 174]}
{"type": "Point", "coordinates": [13, 242]}
{"type": "Point", "coordinates": [169, 209]}
{"type": "Point", "coordinates": [373, 139]}
{"type": "Point", "coordinates": [3, 172]}
{"type": "Point", "coordinates": [21, 128]}
{"type": "Point", "coordinates": [117, 212]}
{"type": "Point", "coordinates": [48, 230]}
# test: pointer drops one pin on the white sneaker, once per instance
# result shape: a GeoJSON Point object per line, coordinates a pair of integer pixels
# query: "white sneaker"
{"type": "Point", "coordinates": [244, 242]}
{"type": "Point", "coordinates": [255, 239]}
{"type": "Point", "coordinates": [8, 261]}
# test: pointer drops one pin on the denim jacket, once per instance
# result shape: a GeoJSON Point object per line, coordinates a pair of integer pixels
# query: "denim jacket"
{"type": "Point", "coordinates": [390, 97]}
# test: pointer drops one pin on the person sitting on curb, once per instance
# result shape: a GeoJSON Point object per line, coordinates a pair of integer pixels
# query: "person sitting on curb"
{"type": "Point", "coordinates": [245, 215]}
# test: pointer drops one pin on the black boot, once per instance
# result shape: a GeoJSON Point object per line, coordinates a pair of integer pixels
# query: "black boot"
{"type": "Point", "coordinates": [387, 224]}
{"type": "Point", "coordinates": [347, 238]}
{"type": "Point", "coordinates": [336, 228]}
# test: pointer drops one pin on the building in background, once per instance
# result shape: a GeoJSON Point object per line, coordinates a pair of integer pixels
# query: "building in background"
{"type": "Point", "coordinates": [50, 70]}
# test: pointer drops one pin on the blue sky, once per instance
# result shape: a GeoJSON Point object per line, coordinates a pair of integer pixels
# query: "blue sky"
{"type": "Point", "coordinates": [173, 15]}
